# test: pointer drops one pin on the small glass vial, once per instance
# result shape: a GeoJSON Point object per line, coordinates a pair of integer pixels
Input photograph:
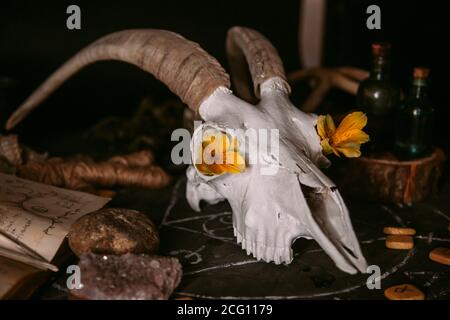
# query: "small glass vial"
{"type": "Point", "coordinates": [379, 98]}
{"type": "Point", "coordinates": [414, 123]}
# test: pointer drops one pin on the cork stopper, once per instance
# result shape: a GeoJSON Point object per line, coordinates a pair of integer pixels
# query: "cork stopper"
{"type": "Point", "coordinates": [421, 73]}
{"type": "Point", "coordinates": [381, 49]}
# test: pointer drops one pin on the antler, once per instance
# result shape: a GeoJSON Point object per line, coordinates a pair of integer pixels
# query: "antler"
{"type": "Point", "coordinates": [244, 44]}
{"type": "Point", "coordinates": [188, 70]}
{"type": "Point", "coordinates": [344, 78]}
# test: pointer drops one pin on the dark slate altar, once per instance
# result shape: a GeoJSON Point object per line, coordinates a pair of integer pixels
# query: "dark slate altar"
{"type": "Point", "coordinates": [215, 267]}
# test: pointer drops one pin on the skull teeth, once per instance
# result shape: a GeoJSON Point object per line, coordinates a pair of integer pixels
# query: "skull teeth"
{"type": "Point", "coordinates": [263, 252]}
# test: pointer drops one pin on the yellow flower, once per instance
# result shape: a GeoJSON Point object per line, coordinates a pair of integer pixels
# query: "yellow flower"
{"type": "Point", "coordinates": [348, 136]}
{"type": "Point", "coordinates": [218, 155]}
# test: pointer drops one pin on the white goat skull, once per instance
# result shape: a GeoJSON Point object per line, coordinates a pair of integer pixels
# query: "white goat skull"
{"type": "Point", "coordinates": [269, 211]}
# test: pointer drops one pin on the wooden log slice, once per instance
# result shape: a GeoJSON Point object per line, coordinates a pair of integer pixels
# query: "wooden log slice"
{"type": "Point", "coordinates": [390, 180]}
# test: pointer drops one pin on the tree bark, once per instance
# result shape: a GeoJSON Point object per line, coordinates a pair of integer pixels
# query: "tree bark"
{"type": "Point", "coordinates": [388, 180]}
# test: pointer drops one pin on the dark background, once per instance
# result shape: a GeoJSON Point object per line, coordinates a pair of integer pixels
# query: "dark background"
{"type": "Point", "coordinates": [34, 41]}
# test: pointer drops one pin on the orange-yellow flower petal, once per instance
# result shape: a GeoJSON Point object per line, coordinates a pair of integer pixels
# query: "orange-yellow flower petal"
{"type": "Point", "coordinates": [330, 127]}
{"type": "Point", "coordinates": [321, 127]}
{"type": "Point", "coordinates": [353, 121]}
{"type": "Point", "coordinates": [327, 149]}
{"type": "Point", "coordinates": [234, 144]}
{"type": "Point", "coordinates": [203, 168]}
{"type": "Point", "coordinates": [350, 150]}
{"type": "Point", "coordinates": [235, 163]}
{"type": "Point", "coordinates": [347, 138]}
{"type": "Point", "coordinates": [216, 141]}
{"type": "Point", "coordinates": [325, 126]}
{"type": "Point", "coordinates": [354, 136]}
{"type": "Point", "coordinates": [218, 155]}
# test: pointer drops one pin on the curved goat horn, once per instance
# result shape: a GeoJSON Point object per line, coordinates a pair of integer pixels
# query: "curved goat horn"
{"type": "Point", "coordinates": [244, 44]}
{"type": "Point", "coordinates": [188, 70]}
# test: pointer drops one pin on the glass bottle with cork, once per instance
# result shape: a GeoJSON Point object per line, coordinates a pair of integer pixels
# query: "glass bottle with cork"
{"type": "Point", "coordinates": [378, 98]}
{"type": "Point", "coordinates": [414, 122]}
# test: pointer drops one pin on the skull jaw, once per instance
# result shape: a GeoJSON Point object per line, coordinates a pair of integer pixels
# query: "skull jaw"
{"type": "Point", "coordinates": [261, 251]}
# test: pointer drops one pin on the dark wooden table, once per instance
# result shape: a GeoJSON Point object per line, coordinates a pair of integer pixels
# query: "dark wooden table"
{"type": "Point", "coordinates": [215, 267]}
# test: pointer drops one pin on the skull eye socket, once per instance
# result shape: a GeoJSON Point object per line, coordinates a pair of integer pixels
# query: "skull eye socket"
{"type": "Point", "coordinates": [216, 151]}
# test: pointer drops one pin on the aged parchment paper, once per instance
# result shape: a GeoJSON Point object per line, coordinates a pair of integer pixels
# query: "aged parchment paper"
{"type": "Point", "coordinates": [35, 218]}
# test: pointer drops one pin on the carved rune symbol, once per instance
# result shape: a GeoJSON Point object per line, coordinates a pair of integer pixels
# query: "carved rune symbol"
{"type": "Point", "coordinates": [403, 289]}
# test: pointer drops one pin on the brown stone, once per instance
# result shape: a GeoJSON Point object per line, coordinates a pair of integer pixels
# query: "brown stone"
{"type": "Point", "coordinates": [404, 292]}
{"type": "Point", "coordinates": [113, 231]}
